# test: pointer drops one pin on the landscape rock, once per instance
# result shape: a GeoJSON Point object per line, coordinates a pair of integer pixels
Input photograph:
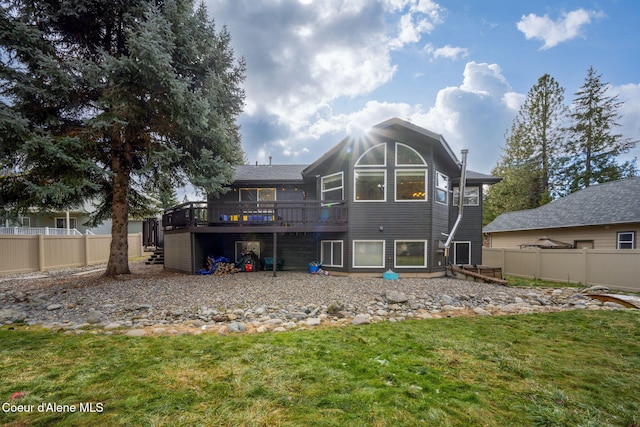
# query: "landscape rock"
{"type": "Point", "coordinates": [236, 327]}
{"type": "Point", "coordinates": [361, 319]}
{"type": "Point", "coordinates": [95, 316]}
{"type": "Point", "coordinates": [314, 321]}
{"type": "Point", "coordinates": [157, 301]}
{"type": "Point", "coordinates": [395, 297]}
{"type": "Point", "coordinates": [481, 311]}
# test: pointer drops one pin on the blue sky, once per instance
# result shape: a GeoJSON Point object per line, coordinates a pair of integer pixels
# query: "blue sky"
{"type": "Point", "coordinates": [319, 70]}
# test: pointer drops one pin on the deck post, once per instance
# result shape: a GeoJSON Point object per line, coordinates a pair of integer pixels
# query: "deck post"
{"type": "Point", "coordinates": [275, 251]}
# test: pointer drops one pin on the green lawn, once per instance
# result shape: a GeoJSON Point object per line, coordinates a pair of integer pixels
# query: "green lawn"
{"type": "Point", "coordinates": [579, 368]}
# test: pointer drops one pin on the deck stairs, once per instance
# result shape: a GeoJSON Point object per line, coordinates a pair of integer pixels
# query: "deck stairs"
{"type": "Point", "coordinates": [157, 257]}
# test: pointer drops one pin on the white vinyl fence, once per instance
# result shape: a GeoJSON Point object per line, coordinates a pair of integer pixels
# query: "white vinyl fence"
{"type": "Point", "coordinates": [615, 268]}
{"type": "Point", "coordinates": [28, 253]}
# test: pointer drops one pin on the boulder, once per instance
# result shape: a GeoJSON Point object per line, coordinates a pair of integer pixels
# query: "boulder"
{"type": "Point", "coordinates": [395, 297]}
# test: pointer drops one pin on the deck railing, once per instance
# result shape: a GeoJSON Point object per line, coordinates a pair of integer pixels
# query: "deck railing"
{"type": "Point", "coordinates": [285, 214]}
{"type": "Point", "coordinates": [33, 231]}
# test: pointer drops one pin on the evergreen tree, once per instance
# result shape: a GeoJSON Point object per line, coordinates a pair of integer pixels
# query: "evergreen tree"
{"type": "Point", "coordinates": [528, 164]}
{"type": "Point", "coordinates": [101, 99]}
{"type": "Point", "coordinates": [594, 145]}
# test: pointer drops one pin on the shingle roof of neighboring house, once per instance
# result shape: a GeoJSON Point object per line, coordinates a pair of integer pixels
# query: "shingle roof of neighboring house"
{"type": "Point", "coordinates": [272, 173]}
{"type": "Point", "coordinates": [615, 202]}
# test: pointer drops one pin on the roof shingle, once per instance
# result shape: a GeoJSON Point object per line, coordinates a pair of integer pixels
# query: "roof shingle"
{"type": "Point", "coordinates": [615, 202]}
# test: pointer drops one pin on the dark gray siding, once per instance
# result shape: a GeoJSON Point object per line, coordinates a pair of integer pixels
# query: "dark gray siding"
{"type": "Point", "coordinates": [470, 228]}
{"type": "Point", "coordinates": [391, 221]}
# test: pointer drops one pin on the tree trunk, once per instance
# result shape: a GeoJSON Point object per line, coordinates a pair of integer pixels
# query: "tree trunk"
{"type": "Point", "coordinates": [119, 253]}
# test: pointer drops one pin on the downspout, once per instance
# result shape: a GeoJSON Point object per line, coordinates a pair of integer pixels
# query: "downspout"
{"type": "Point", "coordinates": [463, 181]}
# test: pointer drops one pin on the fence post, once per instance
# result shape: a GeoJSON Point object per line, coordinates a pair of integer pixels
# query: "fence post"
{"type": "Point", "coordinates": [86, 249]}
{"type": "Point", "coordinates": [584, 264]}
{"type": "Point", "coordinates": [40, 252]}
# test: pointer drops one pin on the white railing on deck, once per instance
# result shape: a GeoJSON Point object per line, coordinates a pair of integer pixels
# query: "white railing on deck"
{"type": "Point", "coordinates": [32, 231]}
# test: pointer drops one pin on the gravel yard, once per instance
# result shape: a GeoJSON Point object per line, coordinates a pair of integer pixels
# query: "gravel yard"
{"type": "Point", "coordinates": [153, 300]}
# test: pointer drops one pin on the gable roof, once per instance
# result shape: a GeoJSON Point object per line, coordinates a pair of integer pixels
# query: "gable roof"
{"type": "Point", "coordinates": [615, 202]}
{"type": "Point", "coordinates": [270, 173]}
{"type": "Point", "coordinates": [386, 128]}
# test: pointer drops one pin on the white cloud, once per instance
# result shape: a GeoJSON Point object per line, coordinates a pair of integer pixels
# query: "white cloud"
{"type": "Point", "coordinates": [473, 115]}
{"type": "Point", "coordinates": [551, 32]}
{"type": "Point", "coordinates": [421, 17]}
{"type": "Point", "coordinates": [447, 51]}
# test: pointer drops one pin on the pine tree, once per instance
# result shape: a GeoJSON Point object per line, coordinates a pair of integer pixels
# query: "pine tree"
{"type": "Point", "coordinates": [99, 99]}
{"type": "Point", "coordinates": [594, 145]}
{"type": "Point", "coordinates": [528, 164]}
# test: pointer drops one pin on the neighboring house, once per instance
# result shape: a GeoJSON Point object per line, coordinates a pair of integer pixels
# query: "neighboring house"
{"type": "Point", "coordinates": [603, 216]}
{"type": "Point", "coordinates": [372, 203]}
{"type": "Point", "coordinates": [40, 222]}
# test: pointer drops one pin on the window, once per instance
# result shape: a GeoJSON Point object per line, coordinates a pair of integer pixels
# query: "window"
{"type": "Point", "coordinates": [62, 223]}
{"type": "Point", "coordinates": [245, 246]}
{"type": "Point", "coordinates": [471, 196]}
{"type": "Point", "coordinates": [411, 185]}
{"type": "Point", "coordinates": [370, 186]}
{"type": "Point", "coordinates": [462, 252]}
{"type": "Point", "coordinates": [26, 221]}
{"type": "Point", "coordinates": [368, 253]}
{"type": "Point", "coordinates": [407, 156]}
{"type": "Point", "coordinates": [331, 253]}
{"type": "Point", "coordinates": [374, 156]}
{"type": "Point", "coordinates": [257, 194]}
{"type": "Point", "coordinates": [626, 240]}
{"type": "Point", "coordinates": [332, 187]}
{"type": "Point", "coordinates": [442, 188]}
{"type": "Point", "coordinates": [410, 253]}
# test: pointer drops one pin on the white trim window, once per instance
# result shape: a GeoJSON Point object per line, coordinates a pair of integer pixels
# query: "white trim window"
{"type": "Point", "coordinates": [411, 185]}
{"type": "Point", "coordinates": [407, 156]}
{"type": "Point", "coordinates": [462, 253]}
{"type": "Point", "coordinates": [369, 185]}
{"type": "Point", "coordinates": [626, 240]}
{"type": "Point", "coordinates": [332, 187]}
{"type": "Point", "coordinates": [375, 156]}
{"type": "Point", "coordinates": [442, 187]}
{"type": "Point", "coordinates": [410, 253]}
{"type": "Point", "coordinates": [368, 253]}
{"type": "Point", "coordinates": [471, 196]}
{"type": "Point", "coordinates": [331, 253]}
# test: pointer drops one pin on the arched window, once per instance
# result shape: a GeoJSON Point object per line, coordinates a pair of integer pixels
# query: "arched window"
{"type": "Point", "coordinates": [370, 183]}
{"type": "Point", "coordinates": [407, 156]}
{"type": "Point", "coordinates": [411, 184]}
{"type": "Point", "coordinates": [374, 156]}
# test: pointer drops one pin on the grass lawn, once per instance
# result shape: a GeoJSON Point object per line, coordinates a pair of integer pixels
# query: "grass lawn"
{"type": "Point", "coordinates": [579, 368]}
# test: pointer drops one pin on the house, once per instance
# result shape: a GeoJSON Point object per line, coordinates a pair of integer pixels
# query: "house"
{"type": "Point", "coordinates": [381, 201]}
{"type": "Point", "coordinates": [41, 222]}
{"type": "Point", "coordinates": [603, 216]}
{"type": "Point", "coordinates": [72, 222]}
